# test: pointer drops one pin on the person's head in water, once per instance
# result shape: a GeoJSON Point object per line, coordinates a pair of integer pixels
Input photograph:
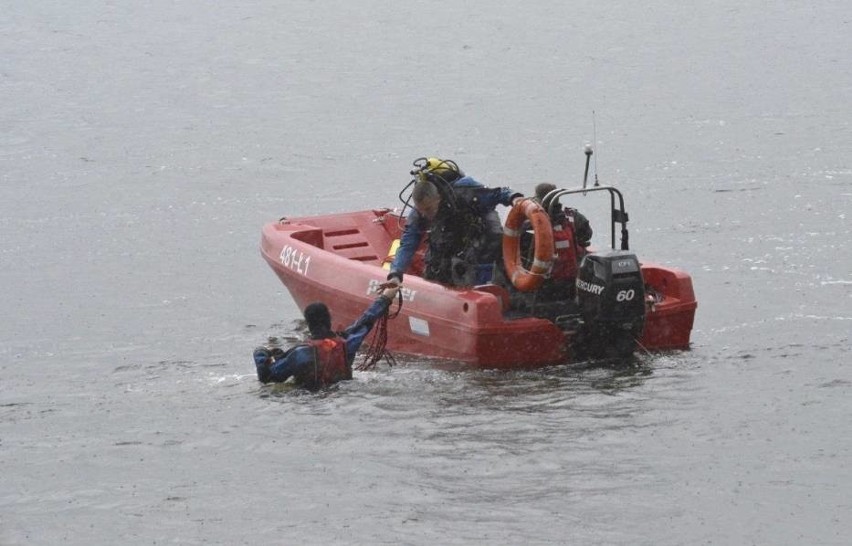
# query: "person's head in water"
{"type": "Point", "coordinates": [318, 319]}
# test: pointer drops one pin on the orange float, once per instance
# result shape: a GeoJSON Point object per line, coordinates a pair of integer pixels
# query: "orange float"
{"type": "Point", "coordinates": [527, 280]}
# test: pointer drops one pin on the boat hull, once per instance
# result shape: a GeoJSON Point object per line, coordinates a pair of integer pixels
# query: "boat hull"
{"type": "Point", "coordinates": [337, 259]}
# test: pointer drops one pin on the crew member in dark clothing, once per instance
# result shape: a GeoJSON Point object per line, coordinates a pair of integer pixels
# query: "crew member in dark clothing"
{"type": "Point", "coordinates": [459, 215]}
{"type": "Point", "coordinates": [326, 357]}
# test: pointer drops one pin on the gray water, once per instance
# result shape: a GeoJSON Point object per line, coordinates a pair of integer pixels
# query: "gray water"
{"type": "Point", "coordinates": [144, 144]}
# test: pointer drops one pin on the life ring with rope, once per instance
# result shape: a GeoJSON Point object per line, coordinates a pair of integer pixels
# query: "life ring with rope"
{"type": "Point", "coordinates": [527, 280]}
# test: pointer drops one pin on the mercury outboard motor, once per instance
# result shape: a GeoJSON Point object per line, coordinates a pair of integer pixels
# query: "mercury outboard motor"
{"type": "Point", "coordinates": [611, 296]}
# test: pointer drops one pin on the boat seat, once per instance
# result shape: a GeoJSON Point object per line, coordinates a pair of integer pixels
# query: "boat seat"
{"type": "Point", "coordinates": [350, 244]}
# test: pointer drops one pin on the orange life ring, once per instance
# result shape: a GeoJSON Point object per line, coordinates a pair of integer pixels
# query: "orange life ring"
{"type": "Point", "coordinates": [527, 280]}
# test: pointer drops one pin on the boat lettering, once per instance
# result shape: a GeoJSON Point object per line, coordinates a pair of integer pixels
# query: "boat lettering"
{"type": "Point", "coordinates": [625, 295]}
{"type": "Point", "coordinates": [295, 259]}
{"type": "Point", "coordinates": [586, 286]}
{"type": "Point", "coordinates": [373, 288]}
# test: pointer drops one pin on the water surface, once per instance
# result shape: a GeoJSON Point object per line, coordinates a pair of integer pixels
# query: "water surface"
{"type": "Point", "coordinates": [143, 147]}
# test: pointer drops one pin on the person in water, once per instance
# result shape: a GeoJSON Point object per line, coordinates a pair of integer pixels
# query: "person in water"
{"type": "Point", "coordinates": [326, 357]}
{"type": "Point", "coordinates": [458, 213]}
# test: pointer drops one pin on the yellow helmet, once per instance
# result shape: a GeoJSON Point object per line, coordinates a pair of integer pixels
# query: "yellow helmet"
{"type": "Point", "coordinates": [446, 169]}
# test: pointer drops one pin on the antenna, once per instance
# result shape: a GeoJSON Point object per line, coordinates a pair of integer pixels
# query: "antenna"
{"type": "Point", "coordinates": [595, 140]}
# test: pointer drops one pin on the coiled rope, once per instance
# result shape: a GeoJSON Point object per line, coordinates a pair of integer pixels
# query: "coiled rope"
{"type": "Point", "coordinates": [377, 344]}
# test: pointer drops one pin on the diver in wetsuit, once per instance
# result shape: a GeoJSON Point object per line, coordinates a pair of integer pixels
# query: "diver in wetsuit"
{"type": "Point", "coordinates": [458, 214]}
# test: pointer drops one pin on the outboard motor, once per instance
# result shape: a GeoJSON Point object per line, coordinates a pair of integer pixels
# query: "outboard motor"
{"type": "Point", "coordinates": [611, 296]}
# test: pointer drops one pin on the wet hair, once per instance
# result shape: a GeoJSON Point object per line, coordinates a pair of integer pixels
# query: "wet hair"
{"type": "Point", "coordinates": [424, 190]}
{"type": "Point", "coordinates": [318, 319]}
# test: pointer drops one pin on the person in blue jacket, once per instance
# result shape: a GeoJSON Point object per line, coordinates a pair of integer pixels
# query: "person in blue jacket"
{"type": "Point", "coordinates": [458, 213]}
{"type": "Point", "coordinates": [326, 357]}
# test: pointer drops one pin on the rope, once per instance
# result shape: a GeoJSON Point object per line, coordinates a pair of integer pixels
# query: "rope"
{"type": "Point", "coordinates": [377, 344]}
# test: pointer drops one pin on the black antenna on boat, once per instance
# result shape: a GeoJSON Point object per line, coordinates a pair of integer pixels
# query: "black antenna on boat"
{"type": "Point", "coordinates": [595, 140]}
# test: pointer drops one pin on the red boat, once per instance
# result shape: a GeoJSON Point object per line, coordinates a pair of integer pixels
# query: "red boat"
{"type": "Point", "coordinates": [621, 304]}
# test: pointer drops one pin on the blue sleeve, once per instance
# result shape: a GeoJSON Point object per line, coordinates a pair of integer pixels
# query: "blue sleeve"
{"type": "Point", "coordinates": [298, 359]}
{"type": "Point", "coordinates": [355, 334]}
{"type": "Point", "coordinates": [488, 198]}
{"type": "Point", "coordinates": [408, 243]}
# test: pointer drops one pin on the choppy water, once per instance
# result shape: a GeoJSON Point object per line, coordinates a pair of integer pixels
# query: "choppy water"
{"type": "Point", "coordinates": [143, 146]}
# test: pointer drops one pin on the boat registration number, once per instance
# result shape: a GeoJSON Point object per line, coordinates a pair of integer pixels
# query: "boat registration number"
{"type": "Point", "coordinates": [295, 259]}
